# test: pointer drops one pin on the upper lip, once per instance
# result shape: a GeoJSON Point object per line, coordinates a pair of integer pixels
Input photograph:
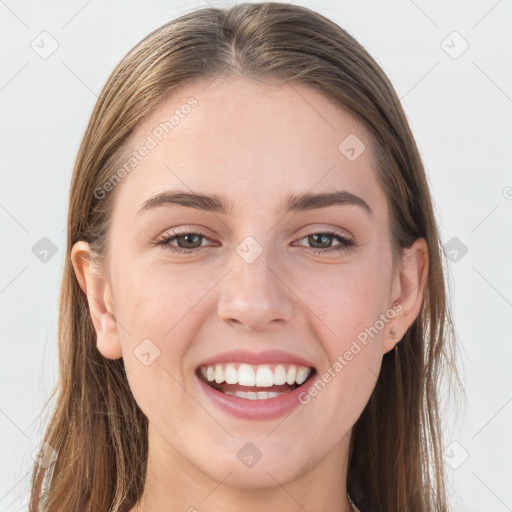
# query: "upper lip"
{"type": "Point", "coordinates": [266, 357]}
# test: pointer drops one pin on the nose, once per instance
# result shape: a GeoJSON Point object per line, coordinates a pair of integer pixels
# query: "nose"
{"type": "Point", "coordinates": [255, 296]}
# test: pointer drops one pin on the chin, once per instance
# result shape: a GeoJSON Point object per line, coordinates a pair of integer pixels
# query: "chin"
{"type": "Point", "coordinates": [254, 465]}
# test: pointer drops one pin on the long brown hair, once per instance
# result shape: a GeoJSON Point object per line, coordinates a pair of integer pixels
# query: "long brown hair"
{"type": "Point", "coordinates": [97, 429]}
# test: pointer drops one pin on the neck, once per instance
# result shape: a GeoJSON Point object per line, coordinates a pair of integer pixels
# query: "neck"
{"type": "Point", "coordinates": [175, 484]}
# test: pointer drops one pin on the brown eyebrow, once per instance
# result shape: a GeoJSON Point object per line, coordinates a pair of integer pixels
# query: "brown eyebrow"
{"type": "Point", "coordinates": [218, 204]}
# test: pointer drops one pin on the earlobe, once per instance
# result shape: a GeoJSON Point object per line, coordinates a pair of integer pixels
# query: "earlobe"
{"type": "Point", "coordinates": [409, 291]}
{"type": "Point", "coordinates": [97, 291]}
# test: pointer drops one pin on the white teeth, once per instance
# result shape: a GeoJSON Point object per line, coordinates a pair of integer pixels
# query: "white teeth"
{"type": "Point", "coordinates": [264, 376]}
{"type": "Point", "coordinates": [302, 375]}
{"type": "Point", "coordinates": [219, 374]}
{"type": "Point", "coordinates": [254, 395]}
{"type": "Point", "coordinates": [279, 375]}
{"type": "Point", "coordinates": [290, 376]}
{"type": "Point", "coordinates": [246, 375]}
{"type": "Point", "coordinates": [231, 374]}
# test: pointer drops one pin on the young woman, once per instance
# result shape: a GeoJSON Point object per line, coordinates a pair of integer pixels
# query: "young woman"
{"type": "Point", "coordinates": [253, 314]}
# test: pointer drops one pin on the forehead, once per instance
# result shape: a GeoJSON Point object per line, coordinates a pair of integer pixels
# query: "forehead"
{"type": "Point", "coordinates": [251, 142]}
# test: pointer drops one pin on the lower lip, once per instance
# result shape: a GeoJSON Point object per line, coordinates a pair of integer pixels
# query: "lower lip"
{"type": "Point", "coordinates": [266, 409]}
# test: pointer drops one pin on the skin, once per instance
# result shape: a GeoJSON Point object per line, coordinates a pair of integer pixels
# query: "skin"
{"type": "Point", "coordinates": [254, 144]}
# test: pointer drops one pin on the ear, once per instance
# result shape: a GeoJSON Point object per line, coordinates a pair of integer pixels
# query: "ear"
{"type": "Point", "coordinates": [99, 297]}
{"type": "Point", "coordinates": [408, 289]}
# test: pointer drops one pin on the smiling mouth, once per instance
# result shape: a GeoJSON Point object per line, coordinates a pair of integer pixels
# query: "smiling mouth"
{"type": "Point", "coordinates": [255, 382]}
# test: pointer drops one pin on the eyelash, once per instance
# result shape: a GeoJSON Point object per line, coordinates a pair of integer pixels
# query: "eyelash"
{"type": "Point", "coordinates": [345, 243]}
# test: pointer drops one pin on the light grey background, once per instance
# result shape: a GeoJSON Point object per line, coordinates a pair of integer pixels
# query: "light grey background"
{"type": "Point", "coordinates": [459, 107]}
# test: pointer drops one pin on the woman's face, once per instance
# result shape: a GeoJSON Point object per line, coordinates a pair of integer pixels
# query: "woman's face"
{"type": "Point", "coordinates": [262, 275]}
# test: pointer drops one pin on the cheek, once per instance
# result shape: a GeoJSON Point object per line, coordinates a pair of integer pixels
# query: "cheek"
{"type": "Point", "coordinates": [159, 311]}
{"type": "Point", "coordinates": [149, 312]}
{"type": "Point", "coordinates": [155, 302]}
{"type": "Point", "coordinates": [346, 298]}
{"type": "Point", "coordinates": [349, 309]}
{"type": "Point", "coordinates": [155, 344]}
{"type": "Point", "coordinates": [352, 343]}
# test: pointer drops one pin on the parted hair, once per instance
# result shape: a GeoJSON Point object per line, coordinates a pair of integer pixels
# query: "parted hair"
{"type": "Point", "coordinates": [96, 428]}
